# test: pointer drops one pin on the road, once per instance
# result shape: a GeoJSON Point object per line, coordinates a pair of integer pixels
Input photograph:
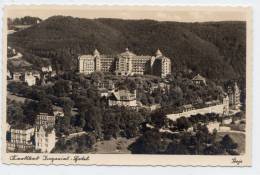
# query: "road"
{"type": "Point", "coordinates": [16, 98]}
{"type": "Point", "coordinates": [233, 131]}
{"type": "Point", "coordinates": [17, 56]}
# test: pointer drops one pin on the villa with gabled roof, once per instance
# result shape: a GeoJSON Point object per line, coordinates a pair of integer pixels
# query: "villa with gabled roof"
{"type": "Point", "coordinates": [198, 79]}
{"type": "Point", "coordinates": [122, 98]}
{"type": "Point", "coordinates": [45, 139]}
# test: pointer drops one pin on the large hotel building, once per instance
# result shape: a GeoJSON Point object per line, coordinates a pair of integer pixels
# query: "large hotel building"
{"type": "Point", "coordinates": [126, 63]}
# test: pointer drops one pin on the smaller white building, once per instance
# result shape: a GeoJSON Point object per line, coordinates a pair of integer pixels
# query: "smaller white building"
{"type": "Point", "coordinates": [198, 79]}
{"type": "Point", "coordinates": [58, 114]}
{"type": "Point", "coordinates": [9, 75]}
{"type": "Point", "coordinates": [17, 76]}
{"type": "Point", "coordinates": [103, 93]}
{"type": "Point", "coordinates": [21, 139]}
{"type": "Point", "coordinates": [45, 139]}
{"type": "Point", "coordinates": [29, 78]}
{"type": "Point", "coordinates": [8, 127]}
{"type": "Point", "coordinates": [47, 69]}
{"type": "Point", "coordinates": [14, 51]}
{"type": "Point", "coordinates": [53, 74]}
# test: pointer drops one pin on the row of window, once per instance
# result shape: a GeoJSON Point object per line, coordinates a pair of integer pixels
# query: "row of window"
{"type": "Point", "coordinates": [21, 146]}
{"type": "Point", "coordinates": [19, 141]}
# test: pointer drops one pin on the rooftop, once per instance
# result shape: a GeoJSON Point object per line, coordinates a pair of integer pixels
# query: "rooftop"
{"type": "Point", "coordinates": [22, 126]}
{"type": "Point", "coordinates": [199, 78]}
{"type": "Point", "coordinates": [46, 130]}
{"type": "Point", "coordinates": [187, 106]}
{"type": "Point", "coordinates": [96, 52]}
{"type": "Point", "coordinates": [158, 53]}
{"type": "Point", "coordinates": [123, 95]}
{"type": "Point", "coordinates": [127, 53]}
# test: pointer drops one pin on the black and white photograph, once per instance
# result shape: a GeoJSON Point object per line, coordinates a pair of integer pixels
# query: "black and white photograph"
{"type": "Point", "coordinates": [133, 81]}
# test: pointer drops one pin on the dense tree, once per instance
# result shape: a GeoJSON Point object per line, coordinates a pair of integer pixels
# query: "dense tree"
{"type": "Point", "coordinates": [111, 125]}
{"type": "Point", "coordinates": [183, 123]}
{"type": "Point", "coordinates": [177, 148]}
{"type": "Point", "coordinates": [45, 105]}
{"type": "Point", "coordinates": [67, 105]}
{"type": "Point", "coordinates": [130, 121]}
{"type": "Point", "coordinates": [158, 118]}
{"type": "Point", "coordinates": [30, 110]}
{"type": "Point", "coordinates": [148, 143]}
{"type": "Point", "coordinates": [62, 126]}
{"type": "Point", "coordinates": [97, 76]}
{"type": "Point", "coordinates": [80, 144]}
{"type": "Point", "coordinates": [228, 143]}
{"type": "Point", "coordinates": [93, 118]}
{"type": "Point", "coordinates": [176, 94]}
{"type": "Point", "coordinates": [15, 87]}
{"type": "Point", "coordinates": [61, 88]}
{"type": "Point", "coordinates": [27, 20]}
{"type": "Point", "coordinates": [215, 149]}
{"type": "Point", "coordinates": [14, 113]}
{"type": "Point", "coordinates": [215, 50]}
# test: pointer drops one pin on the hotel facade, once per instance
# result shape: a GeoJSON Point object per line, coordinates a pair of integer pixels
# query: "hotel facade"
{"type": "Point", "coordinates": [45, 120]}
{"type": "Point", "coordinates": [45, 139]}
{"type": "Point", "coordinates": [126, 63]}
{"type": "Point", "coordinates": [40, 137]}
{"type": "Point", "coordinates": [21, 139]}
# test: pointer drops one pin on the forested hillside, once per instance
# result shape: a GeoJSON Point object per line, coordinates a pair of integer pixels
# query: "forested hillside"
{"type": "Point", "coordinates": [27, 20]}
{"type": "Point", "coordinates": [216, 50]}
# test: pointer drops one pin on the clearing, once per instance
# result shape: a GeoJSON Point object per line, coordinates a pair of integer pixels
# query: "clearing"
{"type": "Point", "coordinates": [238, 137]}
{"type": "Point", "coordinates": [113, 146]}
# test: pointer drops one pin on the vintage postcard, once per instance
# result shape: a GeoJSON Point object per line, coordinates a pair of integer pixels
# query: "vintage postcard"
{"type": "Point", "coordinates": [127, 85]}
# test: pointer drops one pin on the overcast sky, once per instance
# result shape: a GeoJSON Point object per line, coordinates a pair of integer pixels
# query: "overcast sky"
{"type": "Point", "coordinates": [187, 14]}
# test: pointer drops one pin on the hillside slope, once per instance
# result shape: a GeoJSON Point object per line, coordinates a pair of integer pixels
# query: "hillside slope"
{"type": "Point", "coordinates": [216, 50]}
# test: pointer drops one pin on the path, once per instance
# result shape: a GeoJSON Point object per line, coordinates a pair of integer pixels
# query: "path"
{"type": "Point", "coordinates": [22, 99]}
{"type": "Point", "coordinates": [17, 56]}
{"type": "Point", "coordinates": [232, 131]}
